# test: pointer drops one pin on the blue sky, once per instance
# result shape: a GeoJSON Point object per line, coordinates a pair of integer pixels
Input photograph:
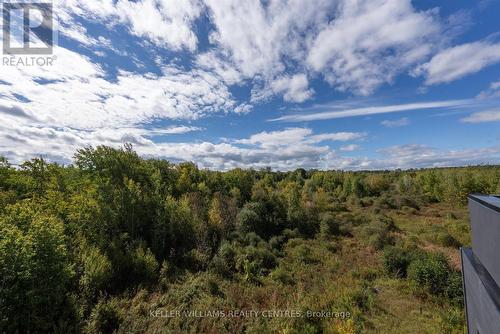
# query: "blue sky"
{"type": "Point", "coordinates": [340, 84]}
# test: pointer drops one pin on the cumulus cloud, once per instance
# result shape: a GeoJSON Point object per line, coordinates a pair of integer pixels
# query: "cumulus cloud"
{"type": "Point", "coordinates": [273, 48]}
{"type": "Point", "coordinates": [369, 42]}
{"type": "Point", "coordinates": [281, 150]}
{"type": "Point", "coordinates": [257, 36]}
{"type": "Point", "coordinates": [290, 136]}
{"type": "Point", "coordinates": [458, 61]}
{"type": "Point", "coordinates": [355, 46]}
{"type": "Point", "coordinates": [76, 93]}
{"type": "Point", "coordinates": [284, 149]}
{"type": "Point", "coordinates": [294, 89]}
{"type": "Point", "coordinates": [166, 23]}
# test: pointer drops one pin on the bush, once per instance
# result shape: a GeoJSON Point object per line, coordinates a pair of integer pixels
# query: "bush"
{"type": "Point", "coordinates": [105, 317]}
{"type": "Point", "coordinates": [254, 262]}
{"type": "Point", "coordinates": [329, 226]}
{"type": "Point", "coordinates": [388, 223]}
{"type": "Point", "coordinates": [276, 243]}
{"type": "Point", "coordinates": [165, 271]}
{"type": "Point", "coordinates": [409, 210]}
{"type": "Point", "coordinates": [196, 260]}
{"type": "Point", "coordinates": [378, 234]}
{"type": "Point", "coordinates": [445, 239]}
{"type": "Point", "coordinates": [282, 276]}
{"type": "Point", "coordinates": [97, 273]}
{"type": "Point", "coordinates": [429, 273]}
{"type": "Point", "coordinates": [362, 297]}
{"type": "Point", "coordinates": [248, 220]}
{"type": "Point", "coordinates": [454, 289]}
{"type": "Point", "coordinates": [304, 254]}
{"type": "Point", "coordinates": [396, 261]}
{"type": "Point", "coordinates": [145, 266]}
{"type": "Point", "coordinates": [224, 263]}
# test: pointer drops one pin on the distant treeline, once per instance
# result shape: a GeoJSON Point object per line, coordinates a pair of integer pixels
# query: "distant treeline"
{"type": "Point", "coordinates": [73, 235]}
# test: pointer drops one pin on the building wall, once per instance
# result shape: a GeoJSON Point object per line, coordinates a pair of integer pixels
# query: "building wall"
{"type": "Point", "coordinates": [481, 266]}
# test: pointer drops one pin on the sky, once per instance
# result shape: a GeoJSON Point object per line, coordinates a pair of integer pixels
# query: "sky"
{"type": "Point", "coordinates": [286, 84]}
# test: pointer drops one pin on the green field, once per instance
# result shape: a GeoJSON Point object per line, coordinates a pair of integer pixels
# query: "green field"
{"type": "Point", "coordinates": [118, 243]}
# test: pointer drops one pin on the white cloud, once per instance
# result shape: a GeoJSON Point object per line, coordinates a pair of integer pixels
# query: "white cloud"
{"type": "Point", "coordinates": [365, 111]}
{"type": "Point", "coordinates": [166, 23]}
{"type": "Point", "coordinates": [456, 62]}
{"type": "Point", "coordinates": [256, 36]}
{"type": "Point", "coordinates": [171, 130]}
{"type": "Point", "coordinates": [210, 61]}
{"type": "Point", "coordinates": [243, 108]}
{"type": "Point", "coordinates": [492, 92]}
{"type": "Point", "coordinates": [419, 156]}
{"type": "Point", "coordinates": [275, 46]}
{"type": "Point", "coordinates": [483, 116]}
{"type": "Point", "coordinates": [349, 148]}
{"type": "Point", "coordinates": [277, 138]}
{"type": "Point", "coordinates": [283, 150]}
{"type": "Point", "coordinates": [396, 123]}
{"type": "Point", "coordinates": [355, 45]}
{"type": "Point", "coordinates": [294, 89]}
{"type": "Point", "coordinates": [297, 136]}
{"type": "Point", "coordinates": [337, 136]}
{"type": "Point", "coordinates": [369, 42]}
{"type": "Point", "coordinates": [75, 93]}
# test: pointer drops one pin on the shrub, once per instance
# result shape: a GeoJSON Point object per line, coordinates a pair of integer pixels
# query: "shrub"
{"type": "Point", "coordinates": [164, 274]}
{"type": "Point", "coordinates": [408, 210]}
{"type": "Point", "coordinates": [329, 226]}
{"type": "Point", "coordinates": [248, 220]}
{"type": "Point", "coordinates": [97, 273]}
{"type": "Point", "coordinates": [396, 261]}
{"type": "Point", "coordinates": [254, 262]}
{"type": "Point", "coordinates": [304, 254]}
{"type": "Point", "coordinates": [454, 289]}
{"type": "Point", "coordinates": [378, 234]}
{"type": "Point", "coordinates": [388, 223]}
{"type": "Point", "coordinates": [277, 242]}
{"type": "Point", "coordinates": [224, 263]}
{"type": "Point", "coordinates": [429, 272]}
{"type": "Point", "coordinates": [291, 234]}
{"type": "Point", "coordinates": [197, 260]}
{"type": "Point", "coordinates": [362, 297]}
{"type": "Point", "coordinates": [144, 265]}
{"type": "Point", "coordinates": [105, 317]}
{"type": "Point", "coordinates": [447, 240]}
{"type": "Point", "coordinates": [282, 276]}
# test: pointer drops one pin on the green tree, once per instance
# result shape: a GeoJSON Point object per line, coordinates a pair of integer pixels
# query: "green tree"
{"type": "Point", "coordinates": [35, 273]}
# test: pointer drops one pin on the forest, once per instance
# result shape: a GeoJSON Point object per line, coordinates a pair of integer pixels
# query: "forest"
{"type": "Point", "coordinates": [117, 243]}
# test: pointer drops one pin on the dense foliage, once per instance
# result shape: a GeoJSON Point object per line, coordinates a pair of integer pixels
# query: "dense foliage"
{"type": "Point", "coordinates": [79, 244]}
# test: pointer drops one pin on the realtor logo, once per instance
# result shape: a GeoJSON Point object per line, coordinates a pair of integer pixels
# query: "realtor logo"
{"type": "Point", "coordinates": [27, 28]}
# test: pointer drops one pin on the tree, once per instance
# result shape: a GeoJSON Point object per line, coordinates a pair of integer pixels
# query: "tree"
{"type": "Point", "coordinates": [34, 271]}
